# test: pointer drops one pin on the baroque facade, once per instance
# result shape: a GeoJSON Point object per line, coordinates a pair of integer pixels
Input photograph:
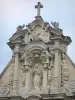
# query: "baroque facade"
{"type": "Point", "coordinates": [40, 68]}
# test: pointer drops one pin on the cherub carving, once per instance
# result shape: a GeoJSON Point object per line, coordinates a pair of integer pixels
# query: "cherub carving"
{"type": "Point", "coordinates": [55, 24]}
{"type": "Point", "coordinates": [19, 28]}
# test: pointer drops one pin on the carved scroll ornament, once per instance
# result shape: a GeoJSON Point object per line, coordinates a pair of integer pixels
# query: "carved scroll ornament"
{"type": "Point", "coordinates": [4, 89]}
{"type": "Point", "coordinates": [64, 66]}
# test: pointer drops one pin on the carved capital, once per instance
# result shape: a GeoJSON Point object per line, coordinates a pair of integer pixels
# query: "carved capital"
{"type": "Point", "coordinates": [45, 66]}
{"type": "Point", "coordinates": [26, 68]}
{"type": "Point", "coordinates": [16, 49]}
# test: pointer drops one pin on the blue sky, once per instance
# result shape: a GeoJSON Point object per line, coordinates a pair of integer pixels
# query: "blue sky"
{"type": "Point", "coordinates": [19, 12]}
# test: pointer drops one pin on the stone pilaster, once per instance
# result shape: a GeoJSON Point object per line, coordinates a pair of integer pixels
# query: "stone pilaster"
{"type": "Point", "coordinates": [57, 69]}
{"type": "Point", "coordinates": [16, 66]}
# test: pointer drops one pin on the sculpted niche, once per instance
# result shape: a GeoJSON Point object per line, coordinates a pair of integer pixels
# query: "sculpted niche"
{"type": "Point", "coordinates": [37, 71]}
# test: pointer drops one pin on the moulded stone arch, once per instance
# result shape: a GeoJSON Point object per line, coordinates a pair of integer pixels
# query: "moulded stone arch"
{"type": "Point", "coordinates": [34, 97]}
{"type": "Point", "coordinates": [37, 48]}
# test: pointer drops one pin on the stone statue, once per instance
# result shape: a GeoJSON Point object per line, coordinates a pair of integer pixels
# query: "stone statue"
{"type": "Point", "coordinates": [55, 24]}
{"type": "Point", "coordinates": [37, 77]}
{"type": "Point", "coordinates": [19, 28]}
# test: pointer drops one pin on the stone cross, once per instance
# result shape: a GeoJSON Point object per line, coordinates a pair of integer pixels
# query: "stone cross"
{"type": "Point", "coordinates": [38, 6]}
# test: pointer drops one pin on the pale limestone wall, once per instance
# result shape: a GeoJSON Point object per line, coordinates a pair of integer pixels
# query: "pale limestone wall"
{"type": "Point", "coordinates": [6, 74]}
{"type": "Point", "coordinates": [71, 69]}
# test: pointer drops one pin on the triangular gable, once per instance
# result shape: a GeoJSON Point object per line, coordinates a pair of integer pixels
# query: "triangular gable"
{"type": "Point", "coordinates": [7, 66]}
{"type": "Point", "coordinates": [70, 60]}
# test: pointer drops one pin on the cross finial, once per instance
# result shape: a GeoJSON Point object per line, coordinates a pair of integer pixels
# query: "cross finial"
{"type": "Point", "coordinates": [38, 6]}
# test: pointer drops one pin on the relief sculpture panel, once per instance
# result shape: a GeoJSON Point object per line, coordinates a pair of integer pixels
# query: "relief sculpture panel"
{"type": "Point", "coordinates": [4, 90]}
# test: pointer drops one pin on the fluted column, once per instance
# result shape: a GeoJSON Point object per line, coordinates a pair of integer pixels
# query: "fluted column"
{"type": "Point", "coordinates": [16, 66]}
{"type": "Point", "coordinates": [45, 77]}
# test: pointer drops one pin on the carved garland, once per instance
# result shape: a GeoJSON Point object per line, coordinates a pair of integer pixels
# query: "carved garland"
{"type": "Point", "coordinates": [11, 78]}
{"type": "Point", "coordinates": [50, 74]}
{"type": "Point", "coordinates": [23, 76]}
{"type": "Point", "coordinates": [64, 67]}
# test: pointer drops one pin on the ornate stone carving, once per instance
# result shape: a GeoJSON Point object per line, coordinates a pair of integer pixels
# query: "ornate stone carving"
{"type": "Point", "coordinates": [64, 66]}
{"type": "Point", "coordinates": [55, 24]}
{"type": "Point", "coordinates": [72, 85]}
{"type": "Point", "coordinates": [36, 37]}
{"type": "Point", "coordinates": [37, 77]}
{"type": "Point", "coordinates": [36, 64]}
{"type": "Point", "coordinates": [19, 28]}
{"type": "Point", "coordinates": [4, 89]}
{"type": "Point", "coordinates": [23, 78]}
{"type": "Point", "coordinates": [25, 70]}
{"type": "Point", "coordinates": [11, 78]}
{"type": "Point", "coordinates": [46, 26]}
{"type": "Point", "coordinates": [50, 74]}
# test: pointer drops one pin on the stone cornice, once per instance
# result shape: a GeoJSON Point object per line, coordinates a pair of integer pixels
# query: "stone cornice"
{"type": "Point", "coordinates": [64, 39]}
{"type": "Point", "coordinates": [34, 97]}
{"type": "Point", "coordinates": [18, 41]}
{"type": "Point", "coordinates": [56, 31]}
{"type": "Point", "coordinates": [60, 96]}
{"type": "Point", "coordinates": [18, 34]}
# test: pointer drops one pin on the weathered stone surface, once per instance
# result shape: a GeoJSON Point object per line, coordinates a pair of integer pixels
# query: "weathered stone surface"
{"type": "Point", "coordinates": [40, 68]}
{"type": "Point", "coordinates": [4, 90]}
